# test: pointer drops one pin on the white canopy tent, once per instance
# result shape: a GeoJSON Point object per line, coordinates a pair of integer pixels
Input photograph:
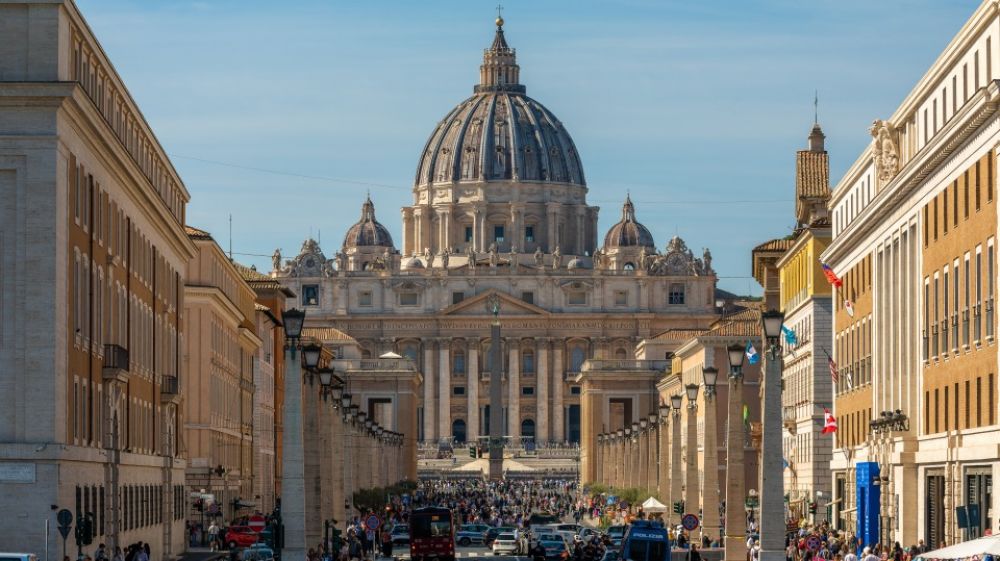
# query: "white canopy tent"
{"type": "Point", "coordinates": [390, 354]}
{"type": "Point", "coordinates": [653, 505]}
{"type": "Point", "coordinates": [980, 548]}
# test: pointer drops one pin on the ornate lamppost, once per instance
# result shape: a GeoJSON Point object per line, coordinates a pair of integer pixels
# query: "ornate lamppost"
{"type": "Point", "coordinates": [691, 499]}
{"type": "Point", "coordinates": [772, 495]}
{"type": "Point", "coordinates": [496, 391]}
{"type": "Point", "coordinates": [735, 543]}
{"type": "Point", "coordinates": [710, 486]}
{"type": "Point", "coordinates": [293, 500]}
{"type": "Point", "coordinates": [675, 451]}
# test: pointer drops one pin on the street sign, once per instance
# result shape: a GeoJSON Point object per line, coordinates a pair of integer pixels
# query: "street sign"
{"type": "Point", "coordinates": [64, 517]}
{"type": "Point", "coordinates": [257, 523]}
{"type": "Point", "coordinates": [689, 522]}
{"type": "Point", "coordinates": [372, 522]}
{"type": "Point", "coordinates": [64, 531]}
{"type": "Point", "coordinates": [814, 542]}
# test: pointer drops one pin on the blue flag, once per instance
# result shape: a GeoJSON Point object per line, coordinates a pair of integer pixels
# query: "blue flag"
{"type": "Point", "coordinates": [751, 353]}
{"type": "Point", "coordinates": [790, 338]}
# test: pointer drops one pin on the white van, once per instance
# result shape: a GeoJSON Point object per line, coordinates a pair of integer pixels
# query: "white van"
{"type": "Point", "coordinates": [18, 557]}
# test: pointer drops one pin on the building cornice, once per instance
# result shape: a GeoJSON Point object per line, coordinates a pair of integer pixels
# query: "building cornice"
{"type": "Point", "coordinates": [213, 296]}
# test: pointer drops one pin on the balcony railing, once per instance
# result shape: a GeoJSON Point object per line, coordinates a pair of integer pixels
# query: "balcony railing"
{"type": "Point", "coordinates": [372, 364]}
{"type": "Point", "coordinates": [788, 418]}
{"type": "Point", "coordinates": [954, 331]}
{"type": "Point", "coordinates": [989, 319]}
{"type": "Point", "coordinates": [601, 364]}
{"type": "Point", "coordinates": [944, 336]}
{"type": "Point", "coordinates": [965, 327]}
{"type": "Point", "coordinates": [115, 362]}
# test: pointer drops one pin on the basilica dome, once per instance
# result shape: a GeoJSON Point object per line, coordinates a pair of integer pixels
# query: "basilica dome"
{"type": "Point", "coordinates": [628, 232]}
{"type": "Point", "coordinates": [368, 232]}
{"type": "Point", "coordinates": [500, 133]}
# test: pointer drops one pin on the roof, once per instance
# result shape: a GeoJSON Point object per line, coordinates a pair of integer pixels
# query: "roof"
{"type": "Point", "coordinates": [196, 234]}
{"type": "Point", "coordinates": [742, 323]}
{"type": "Point", "coordinates": [250, 273]}
{"type": "Point", "coordinates": [679, 334]}
{"type": "Point", "coordinates": [782, 244]}
{"type": "Point", "coordinates": [327, 334]}
{"type": "Point", "coordinates": [812, 174]}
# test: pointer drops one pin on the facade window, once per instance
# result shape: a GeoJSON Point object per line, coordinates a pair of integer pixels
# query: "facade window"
{"type": "Point", "coordinates": [574, 390]}
{"type": "Point", "coordinates": [457, 297]}
{"type": "Point", "coordinates": [621, 298]}
{"type": "Point", "coordinates": [990, 272]}
{"type": "Point", "coordinates": [458, 363]}
{"type": "Point", "coordinates": [676, 295]}
{"type": "Point", "coordinates": [576, 298]}
{"type": "Point", "coordinates": [468, 234]}
{"type": "Point", "coordinates": [528, 362]}
{"type": "Point", "coordinates": [978, 326]}
{"type": "Point", "coordinates": [528, 297]}
{"type": "Point", "coordinates": [365, 298]}
{"type": "Point", "coordinates": [629, 266]}
{"type": "Point", "coordinates": [498, 233]}
{"type": "Point", "coordinates": [576, 358]}
{"type": "Point", "coordinates": [408, 298]}
{"type": "Point", "coordinates": [410, 352]}
{"type": "Point", "coordinates": [527, 390]}
{"type": "Point", "coordinates": [529, 233]}
{"type": "Point", "coordinates": [458, 390]}
{"type": "Point", "coordinates": [310, 294]}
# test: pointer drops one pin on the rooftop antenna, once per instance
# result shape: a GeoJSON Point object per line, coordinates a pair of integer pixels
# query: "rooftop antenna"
{"type": "Point", "coordinates": [816, 108]}
{"type": "Point", "coordinates": [230, 236]}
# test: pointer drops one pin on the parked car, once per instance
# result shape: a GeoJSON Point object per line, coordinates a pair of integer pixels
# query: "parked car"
{"type": "Point", "coordinates": [400, 534]}
{"type": "Point", "coordinates": [616, 533]}
{"type": "Point", "coordinates": [241, 536]}
{"type": "Point", "coordinates": [506, 543]}
{"type": "Point", "coordinates": [470, 534]}
{"type": "Point", "coordinates": [258, 552]}
{"type": "Point", "coordinates": [550, 537]}
{"type": "Point", "coordinates": [492, 533]}
{"type": "Point", "coordinates": [555, 550]}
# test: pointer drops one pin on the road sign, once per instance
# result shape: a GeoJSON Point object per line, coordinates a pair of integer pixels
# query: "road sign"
{"type": "Point", "coordinates": [813, 542]}
{"type": "Point", "coordinates": [372, 522]}
{"type": "Point", "coordinates": [689, 522]}
{"type": "Point", "coordinates": [257, 523]}
{"type": "Point", "coordinates": [64, 517]}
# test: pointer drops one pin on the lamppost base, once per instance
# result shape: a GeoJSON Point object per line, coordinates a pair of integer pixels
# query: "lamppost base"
{"type": "Point", "coordinates": [772, 555]}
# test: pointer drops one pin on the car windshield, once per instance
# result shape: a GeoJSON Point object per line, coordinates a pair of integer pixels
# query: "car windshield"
{"type": "Point", "coordinates": [643, 550]}
{"type": "Point", "coordinates": [558, 546]}
{"type": "Point", "coordinates": [431, 526]}
{"type": "Point", "coordinates": [508, 537]}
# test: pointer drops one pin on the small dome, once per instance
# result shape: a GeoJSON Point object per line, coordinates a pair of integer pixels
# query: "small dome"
{"type": "Point", "coordinates": [413, 263]}
{"type": "Point", "coordinates": [368, 232]}
{"type": "Point", "coordinates": [628, 232]}
{"type": "Point", "coordinates": [579, 263]}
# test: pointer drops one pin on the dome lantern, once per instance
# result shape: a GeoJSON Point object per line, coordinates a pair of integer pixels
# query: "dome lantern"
{"type": "Point", "coordinates": [628, 232]}
{"type": "Point", "coordinates": [368, 232]}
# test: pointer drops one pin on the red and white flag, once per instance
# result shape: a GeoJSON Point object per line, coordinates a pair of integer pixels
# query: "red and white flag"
{"type": "Point", "coordinates": [849, 308]}
{"type": "Point", "coordinates": [829, 422]}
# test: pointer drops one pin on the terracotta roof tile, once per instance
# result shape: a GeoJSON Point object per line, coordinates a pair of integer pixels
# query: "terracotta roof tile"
{"type": "Point", "coordinates": [812, 174]}
{"type": "Point", "coordinates": [775, 245]}
{"type": "Point", "coordinates": [681, 334]}
{"type": "Point", "coordinates": [196, 234]}
{"type": "Point", "coordinates": [742, 323]}
{"type": "Point", "coordinates": [327, 334]}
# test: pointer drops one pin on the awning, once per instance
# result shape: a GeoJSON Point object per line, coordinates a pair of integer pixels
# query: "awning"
{"type": "Point", "coordinates": [653, 505]}
{"type": "Point", "coordinates": [989, 545]}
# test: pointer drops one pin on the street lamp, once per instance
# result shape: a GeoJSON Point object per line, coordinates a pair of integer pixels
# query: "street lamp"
{"type": "Point", "coordinates": [311, 354]}
{"type": "Point", "coordinates": [691, 494]}
{"type": "Point", "coordinates": [675, 402]}
{"type": "Point", "coordinates": [692, 395]}
{"type": "Point", "coordinates": [772, 507]}
{"type": "Point", "coordinates": [710, 375]}
{"type": "Point", "coordinates": [675, 451]}
{"type": "Point", "coordinates": [735, 546]}
{"type": "Point", "coordinates": [293, 500]}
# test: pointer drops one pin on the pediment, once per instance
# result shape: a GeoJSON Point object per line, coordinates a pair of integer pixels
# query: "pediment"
{"type": "Point", "coordinates": [509, 306]}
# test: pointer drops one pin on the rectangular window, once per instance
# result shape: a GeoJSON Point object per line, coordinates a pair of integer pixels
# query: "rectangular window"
{"type": "Point", "coordinates": [979, 401]}
{"type": "Point", "coordinates": [468, 234]}
{"type": "Point", "coordinates": [457, 297]}
{"type": "Point", "coordinates": [978, 190]}
{"type": "Point", "coordinates": [365, 298]}
{"type": "Point", "coordinates": [458, 390]}
{"type": "Point", "coordinates": [968, 299]}
{"type": "Point", "coordinates": [574, 390]}
{"type": "Point", "coordinates": [676, 295]}
{"type": "Point", "coordinates": [926, 226]}
{"type": "Point", "coordinates": [968, 404]}
{"type": "Point", "coordinates": [954, 203]}
{"type": "Point", "coordinates": [935, 210]}
{"type": "Point", "coordinates": [310, 294]}
{"type": "Point", "coordinates": [621, 298]}
{"type": "Point", "coordinates": [958, 406]}
{"type": "Point", "coordinates": [937, 418]}
{"type": "Point", "coordinates": [944, 316]}
{"type": "Point", "coordinates": [577, 298]}
{"type": "Point", "coordinates": [529, 233]}
{"type": "Point", "coordinates": [498, 233]}
{"type": "Point", "coordinates": [927, 412]}
{"type": "Point", "coordinates": [965, 194]}
{"type": "Point", "coordinates": [528, 297]}
{"type": "Point", "coordinates": [976, 71]}
{"type": "Point", "coordinates": [978, 326]}
{"type": "Point", "coordinates": [990, 272]}
{"type": "Point", "coordinates": [990, 405]}
{"type": "Point", "coordinates": [944, 210]}
{"type": "Point", "coordinates": [528, 363]}
{"type": "Point", "coordinates": [527, 390]}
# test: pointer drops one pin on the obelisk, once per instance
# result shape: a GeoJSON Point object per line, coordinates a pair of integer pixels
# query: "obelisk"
{"type": "Point", "coordinates": [496, 391]}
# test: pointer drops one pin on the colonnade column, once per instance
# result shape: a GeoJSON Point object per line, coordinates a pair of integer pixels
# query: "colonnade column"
{"type": "Point", "coordinates": [675, 459]}
{"type": "Point", "coordinates": [663, 476]}
{"type": "Point", "coordinates": [599, 458]}
{"type": "Point", "coordinates": [542, 369]}
{"type": "Point", "coordinates": [472, 391]}
{"type": "Point", "coordinates": [313, 459]}
{"type": "Point", "coordinates": [641, 450]}
{"type": "Point", "coordinates": [691, 495]}
{"type": "Point", "coordinates": [444, 389]}
{"type": "Point", "coordinates": [335, 460]}
{"type": "Point", "coordinates": [514, 388]}
{"type": "Point", "coordinates": [558, 377]}
{"type": "Point", "coordinates": [429, 406]}
{"type": "Point", "coordinates": [710, 474]}
{"type": "Point", "coordinates": [652, 457]}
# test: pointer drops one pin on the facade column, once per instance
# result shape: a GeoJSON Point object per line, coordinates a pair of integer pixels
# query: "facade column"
{"type": "Point", "coordinates": [558, 375]}
{"type": "Point", "coordinates": [710, 471]}
{"type": "Point", "coordinates": [514, 390]}
{"type": "Point", "coordinates": [675, 460]}
{"type": "Point", "coordinates": [542, 369]}
{"type": "Point", "coordinates": [691, 494]}
{"type": "Point", "coordinates": [407, 213]}
{"type": "Point", "coordinates": [580, 239]}
{"type": "Point", "coordinates": [472, 390]}
{"type": "Point", "coordinates": [642, 447]}
{"type": "Point", "coordinates": [429, 405]}
{"type": "Point", "coordinates": [663, 469]}
{"type": "Point", "coordinates": [418, 231]}
{"type": "Point", "coordinates": [444, 389]}
{"type": "Point", "coordinates": [598, 457]}
{"type": "Point", "coordinates": [481, 244]}
{"type": "Point", "coordinates": [552, 211]}
{"type": "Point", "coordinates": [516, 225]}
{"type": "Point", "coordinates": [735, 543]}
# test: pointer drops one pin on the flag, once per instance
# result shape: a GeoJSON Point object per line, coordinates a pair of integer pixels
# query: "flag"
{"type": "Point", "coordinates": [831, 276]}
{"type": "Point", "coordinates": [849, 307]}
{"type": "Point", "coordinates": [751, 353]}
{"type": "Point", "coordinates": [829, 422]}
{"type": "Point", "coordinates": [850, 380]}
{"type": "Point", "coordinates": [784, 463]}
{"type": "Point", "coordinates": [790, 338]}
{"type": "Point", "coordinates": [834, 375]}
{"type": "Point", "coordinates": [746, 415]}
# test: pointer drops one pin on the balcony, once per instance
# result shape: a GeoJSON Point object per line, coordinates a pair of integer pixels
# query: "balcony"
{"type": "Point", "coordinates": [169, 390]}
{"type": "Point", "coordinates": [604, 365]}
{"type": "Point", "coordinates": [788, 418]}
{"type": "Point", "coordinates": [373, 365]}
{"type": "Point", "coordinates": [115, 363]}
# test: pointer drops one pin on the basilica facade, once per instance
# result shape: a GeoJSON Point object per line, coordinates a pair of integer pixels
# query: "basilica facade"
{"type": "Point", "coordinates": [500, 206]}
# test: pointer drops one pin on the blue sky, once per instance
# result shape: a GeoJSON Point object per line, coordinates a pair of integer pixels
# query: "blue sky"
{"type": "Point", "coordinates": [684, 104]}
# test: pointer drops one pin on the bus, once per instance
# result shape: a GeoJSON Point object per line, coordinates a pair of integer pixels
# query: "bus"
{"type": "Point", "coordinates": [645, 540]}
{"type": "Point", "coordinates": [432, 535]}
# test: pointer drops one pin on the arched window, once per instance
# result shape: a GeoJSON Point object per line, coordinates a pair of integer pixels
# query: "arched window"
{"type": "Point", "coordinates": [458, 363]}
{"type": "Point", "coordinates": [409, 351]}
{"type": "Point", "coordinates": [629, 266]}
{"type": "Point", "coordinates": [458, 431]}
{"type": "Point", "coordinates": [576, 358]}
{"type": "Point", "coordinates": [365, 353]}
{"type": "Point", "coordinates": [620, 354]}
{"type": "Point", "coordinates": [528, 361]}
{"type": "Point", "coordinates": [528, 429]}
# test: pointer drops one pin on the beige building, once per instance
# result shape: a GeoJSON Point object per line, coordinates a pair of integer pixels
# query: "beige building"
{"type": "Point", "coordinates": [93, 252]}
{"type": "Point", "coordinates": [500, 207]}
{"type": "Point", "coordinates": [914, 230]}
{"type": "Point", "coordinates": [221, 322]}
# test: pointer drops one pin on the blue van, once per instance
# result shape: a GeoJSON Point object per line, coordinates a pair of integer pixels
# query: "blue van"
{"type": "Point", "coordinates": [645, 540]}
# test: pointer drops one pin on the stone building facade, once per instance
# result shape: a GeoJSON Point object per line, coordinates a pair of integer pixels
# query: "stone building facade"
{"type": "Point", "coordinates": [500, 207]}
{"type": "Point", "coordinates": [92, 254]}
{"type": "Point", "coordinates": [914, 227]}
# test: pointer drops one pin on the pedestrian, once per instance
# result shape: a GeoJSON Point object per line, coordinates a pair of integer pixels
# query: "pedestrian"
{"type": "Point", "coordinates": [213, 536]}
{"type": "Point", "coordinates": [101, 554]}
{"type": "Point", "coordinates": [693, 554]}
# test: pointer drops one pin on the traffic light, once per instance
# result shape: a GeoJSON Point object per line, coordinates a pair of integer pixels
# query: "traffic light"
{"type": "Point", "coordinates": [84, 533]}
{"type": "Point", "coordinates": [472, 451]}
{"type": "Point", "coordinates": [812, 508]}
{"type": "Point", "coordinates": [199, 505]}
{"type": "Point", "coordinates": [679, 507]}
